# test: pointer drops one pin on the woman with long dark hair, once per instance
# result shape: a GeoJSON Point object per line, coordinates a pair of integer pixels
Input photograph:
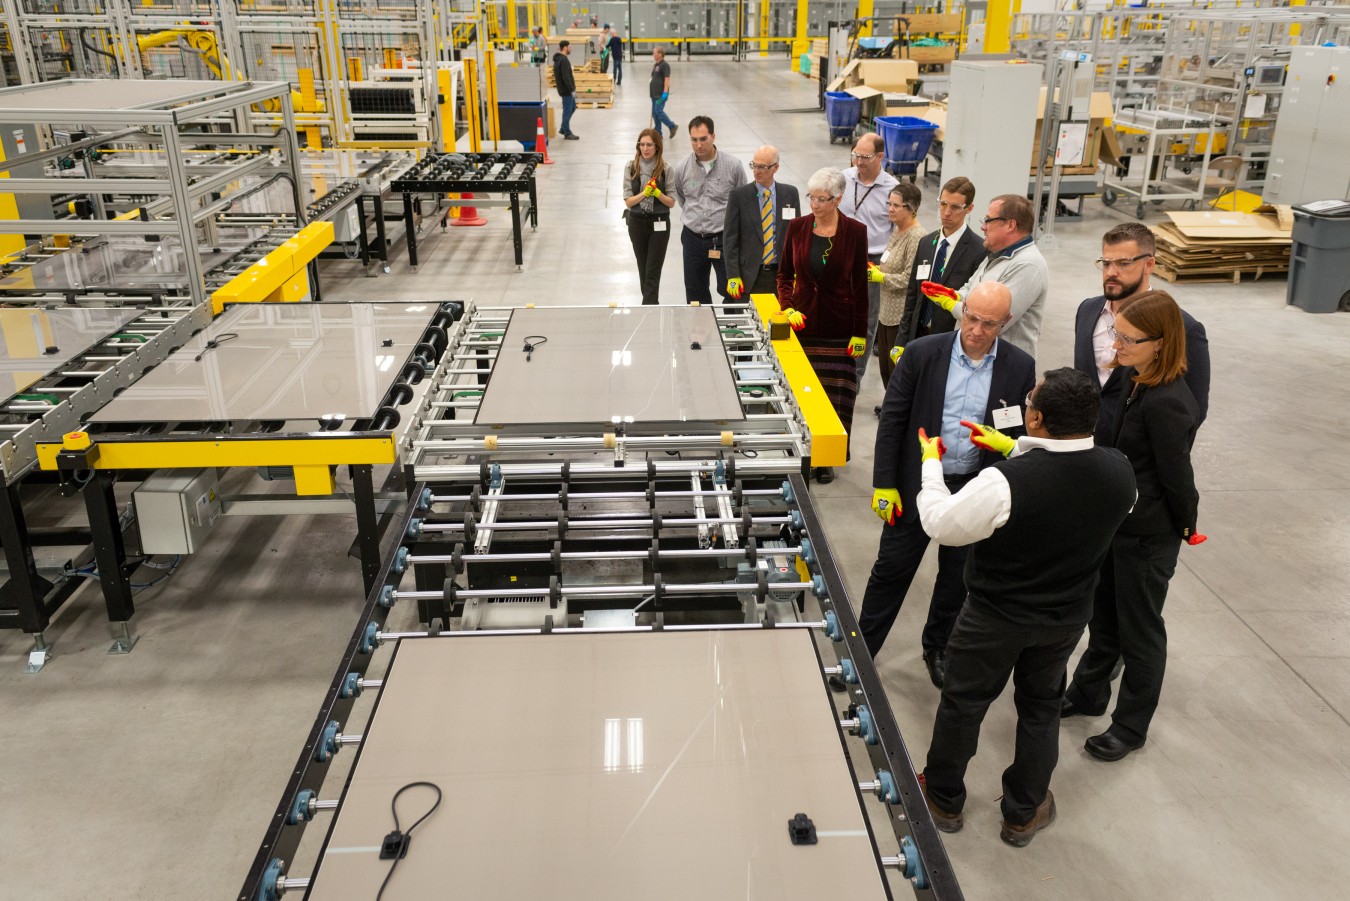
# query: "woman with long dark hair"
{"type": "Point", "coordinates": [648, 211]}
{"type": "Point", "coordinates": [1157, 428]}
{"type": "Point", "coordinates": [822, 286]}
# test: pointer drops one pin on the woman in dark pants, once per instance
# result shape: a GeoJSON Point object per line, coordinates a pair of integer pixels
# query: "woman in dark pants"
{"type": "Point", "coordinates": [822, 286]}
{"type": "Point", "coordinates": [1156, 431]}
{"type": "Point", "coordinates": [648, 211]}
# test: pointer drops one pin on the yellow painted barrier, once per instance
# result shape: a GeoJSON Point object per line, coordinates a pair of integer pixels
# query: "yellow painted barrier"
{"type": "Point", "coordinates": [274, 277]}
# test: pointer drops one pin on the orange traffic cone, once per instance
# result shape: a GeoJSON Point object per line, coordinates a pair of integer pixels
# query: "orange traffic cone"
{"type": "Point", "coordinates": [541, 142]}
{"type": "Point", "coordinates": [468, 215]}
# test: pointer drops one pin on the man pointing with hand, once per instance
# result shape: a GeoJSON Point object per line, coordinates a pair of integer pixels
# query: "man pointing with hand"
{"type": "Point", "coordinates": [942, 380]}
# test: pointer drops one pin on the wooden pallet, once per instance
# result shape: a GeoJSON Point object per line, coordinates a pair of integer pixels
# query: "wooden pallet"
{"type": "Point", "coordinates": [1209, 276]}
{"type": "Point", "coordinates": [595, 104]}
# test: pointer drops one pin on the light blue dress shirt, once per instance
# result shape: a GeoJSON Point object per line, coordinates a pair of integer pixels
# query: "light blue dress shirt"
{"type": "Point", "coordinates": [967, 398]}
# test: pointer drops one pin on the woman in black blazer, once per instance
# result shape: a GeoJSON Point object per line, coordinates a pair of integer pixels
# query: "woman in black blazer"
{"type": "Point", "coordinates": [1157, 428]}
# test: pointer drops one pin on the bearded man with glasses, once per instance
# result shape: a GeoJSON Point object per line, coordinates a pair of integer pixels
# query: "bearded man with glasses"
{"type": "Point", "coordinates": [1126, 264]}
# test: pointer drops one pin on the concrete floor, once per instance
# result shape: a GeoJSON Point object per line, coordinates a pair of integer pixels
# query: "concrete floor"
{"type": "Point", "coordinates": [152, 776]}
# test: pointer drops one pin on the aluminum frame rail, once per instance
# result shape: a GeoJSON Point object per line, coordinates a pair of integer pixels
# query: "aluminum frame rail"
{"type": "Point", "coordinates": [773, 439]}
{"type": "Point", "coordinates": [868, 731]}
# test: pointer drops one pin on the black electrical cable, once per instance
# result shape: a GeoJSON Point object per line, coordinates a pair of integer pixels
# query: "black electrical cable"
{"type": "Point", "coordinates": [401, 840]}
{"type": "Point", "coordinates": [214, 343]}
{"type": "Point", "coordinates": [531, 342]}
{"type": "Point", "coordinates": [88, 46]}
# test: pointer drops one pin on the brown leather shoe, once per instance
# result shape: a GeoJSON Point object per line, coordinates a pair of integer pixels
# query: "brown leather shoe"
{"type": "Point", "coordinates": [946, 822]}
{"type": "Point", "coordinates": [1020, 836]}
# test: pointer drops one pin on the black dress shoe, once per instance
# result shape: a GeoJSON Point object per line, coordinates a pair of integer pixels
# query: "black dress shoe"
{"type": "Point", "coordinates": [825, 475]}
{"type": "Point", "coordinates": [877, 411]}
{"type": "Point", "coordinates": [1109, 747]}
{"type": "Point", "coordinates": [1067, 709]}
{"type": "Point", "coordinates": [936, 661]}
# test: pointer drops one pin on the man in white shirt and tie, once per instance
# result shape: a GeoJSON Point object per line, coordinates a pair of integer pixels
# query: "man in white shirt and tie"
{"type": "Point", "coordinates": [756, 222]}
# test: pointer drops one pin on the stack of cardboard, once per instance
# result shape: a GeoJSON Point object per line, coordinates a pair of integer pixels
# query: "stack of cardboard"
{"type": "Point", "coordinates": [899, 76]}
{"type": "Point", "coordinates": [1099, 112]}
{"type": "Point", "coordinates": [1222, 246]}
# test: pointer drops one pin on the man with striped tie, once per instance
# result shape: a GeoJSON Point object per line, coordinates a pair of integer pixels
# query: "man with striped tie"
{"type": "Point", "coordinates": [757, 215]}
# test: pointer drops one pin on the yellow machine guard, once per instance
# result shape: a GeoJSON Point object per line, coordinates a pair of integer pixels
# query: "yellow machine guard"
{"type": "Point", "coordinates": [829, 441]}
{"type": "Point", "coordinates": [279, 276]}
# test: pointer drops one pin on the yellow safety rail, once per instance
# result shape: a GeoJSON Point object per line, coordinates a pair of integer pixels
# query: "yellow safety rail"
{"type": "Point", "coordinates": [829, 440]}
{"type": "Point", "coordinates": [281, 276]}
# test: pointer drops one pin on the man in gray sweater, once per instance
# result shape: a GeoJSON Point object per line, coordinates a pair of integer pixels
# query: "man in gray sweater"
{"type": "Point", "coordinates": [1013, 261]}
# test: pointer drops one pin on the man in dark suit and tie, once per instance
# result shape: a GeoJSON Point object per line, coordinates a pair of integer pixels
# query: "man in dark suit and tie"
{"type": "Point", "coordinates": [756, 212]}
{"type": "Point", "coordinates": [1126, 264]}
{"type": "Point", "coordinates": [942, 380]}
{"type": "Point", "coordinates": [949, 256]}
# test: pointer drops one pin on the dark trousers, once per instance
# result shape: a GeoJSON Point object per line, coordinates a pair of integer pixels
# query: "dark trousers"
{"type": "Point", "coordinates": [886, 337]}
{"type": "Point", "coordinates": [618, 69]}
{"type": "Point", "coordinates": [984, 650]}
{"type": "Point", "coordinates": [659, 116]}
{"type": "Point", "coordinates": [765, 282]}
{"type": "Point", "coordinates": [1127, 622]}
{"type": "Point", "coordinates": [898, 558]}
{"type": "Point", "coordinates": [649, 246]}
{"type": "Point", "coordinates": [697, 266]}
{"type": "Point", "coordinates": [873, 311]}
{"type": "Point", "coordinates": [569, 104]}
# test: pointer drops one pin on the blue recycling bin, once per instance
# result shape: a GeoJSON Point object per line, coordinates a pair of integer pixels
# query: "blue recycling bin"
{"type": "Point", "coordinates": [842, 112]}
{"type": "Point", "coordinates": [907, 139]}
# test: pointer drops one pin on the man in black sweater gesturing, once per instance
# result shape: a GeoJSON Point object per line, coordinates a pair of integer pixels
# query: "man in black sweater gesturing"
{"type": "Point", "coordinates": [1039, 524]}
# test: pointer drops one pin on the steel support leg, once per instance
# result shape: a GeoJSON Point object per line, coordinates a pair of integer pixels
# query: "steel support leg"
{"type": "Point", "coordinates": [515, 228]}
{"type": "Point", "coordinates": [367, 522]}
{"type": "Point", "coordinates": [361, 234]}
{"type": "Point", "coordinates": [411, 229]}
{"type": "Point", "coordinates": [109, 552]}
{"type": "Point", "coordinates": [25, 593]}
{"type": "Point", "coordinates": [381, 241]}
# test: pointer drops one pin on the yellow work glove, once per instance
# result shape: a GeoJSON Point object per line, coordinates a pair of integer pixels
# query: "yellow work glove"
{"type": "Point", "coordinates": [933, 448]}
{"type": "Point", "coordinates": [795, 319]}
{"type": "Point", "coordinates": [896, 352]}
{"type": "Point", "coordinates": [651, 191]}
{"type": "Point", "coordinates": [941, 295]}
{"type": "Point", "coordinates": [874, 273]}
{"type": "Point", "coordinates": [734, 287]}
{"type": "Point", "coordinates": [856, 347]}
{"type": "Point", "coordinates": [989, 438]}
{"type": "Point", "coordinates": [886, 504]}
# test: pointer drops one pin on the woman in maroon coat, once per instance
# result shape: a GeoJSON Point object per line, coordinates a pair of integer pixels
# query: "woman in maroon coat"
{"type": "Point", "coordinates": [822, 286]}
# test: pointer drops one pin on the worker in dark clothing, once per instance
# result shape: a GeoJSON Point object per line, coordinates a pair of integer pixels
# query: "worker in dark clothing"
{"type": "Point", "coordinates": [1039, 524]}
{"type": "Point", "coordinates": [615, 48]}
{"type": "Point", "coordinates": [567, 88]}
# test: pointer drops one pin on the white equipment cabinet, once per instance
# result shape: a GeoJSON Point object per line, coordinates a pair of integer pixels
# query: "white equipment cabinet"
{"type": "Point", "coordinates": [1310, 156]}
{"type": "Point", "coordinates": [991, 124]}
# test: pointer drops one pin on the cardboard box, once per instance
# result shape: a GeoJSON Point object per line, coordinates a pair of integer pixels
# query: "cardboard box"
{"type": "Point", "coordinates": [932, 23]}
{"type": "Point", "coordinates": [929, 54]}
{"type": "Point", "coordinates": [885, 75]}
{"type": "Point", "coordinates": [1099, 111]}
{"type": "Point", "coordinates": [887, 103]}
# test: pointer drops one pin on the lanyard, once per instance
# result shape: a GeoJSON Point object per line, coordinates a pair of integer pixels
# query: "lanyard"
{"type": "Point", "coordinates": [856, 203]}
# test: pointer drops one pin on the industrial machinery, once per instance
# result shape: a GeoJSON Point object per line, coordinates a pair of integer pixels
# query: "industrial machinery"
{"type": "Point", "coordinates": [473, 176]}
{"type": "Point", "coordinates": [625, 549]}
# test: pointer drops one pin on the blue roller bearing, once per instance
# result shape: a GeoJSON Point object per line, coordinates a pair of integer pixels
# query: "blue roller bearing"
{"type": "Point", "coordinates": [327, 746]}
{"type": "Point", "coordinates": [300, 808]}
{"type": "Point", "coordinates": [866, 728]}
{"type": "Point", "coordinates": [414, 528]}
{"type": "Point", "coordinates": [351, 687]}
{"type": "Point", "coordinates": [267, 888]}
{"type": "Point", "coordinates": [818, 587]}
{"type": "Point", "coordinates": [401, 561]}
{"type": "Point", "coordinates": [795, 518]}
{"type": "Point", "coordinates": [914, 868]}
{"type": "Point", "coordinates": [832, 630]}
{"type": "Point", "coordinates": [808, 553]}
{"type": "Point", "coordinates": [849, 673]}
{"type": "Point", "coordinates": [496, 481]}
{"type": "Point", "coordinates": [387, 596]}
{"type": "Point", "coordinates": [424, 502]}
{"type": "Point", "coordinates": [888, 792]}
{"type": "Point", "coordinates": [788, 494]}
{"type": "Point", "coordinates": [369, 641]}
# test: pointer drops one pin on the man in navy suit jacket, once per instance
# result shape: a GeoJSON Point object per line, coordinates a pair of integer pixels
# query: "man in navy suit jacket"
{"type": "Point", "coordinates": [941, 380]}
{"type": "Point", "coordinates": [1126, 263]}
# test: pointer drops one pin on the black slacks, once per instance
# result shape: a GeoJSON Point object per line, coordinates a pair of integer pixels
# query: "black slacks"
{"type": "Point", "coordinates": [1127, 622]}
{"type": "Point", "coordinates": [898, 559]}
{"type": "Point", "coordinates": [765, 282]}
{"type": "Point", "coordinates": [698, 265]}
{"type": "Point", "coordinates": [983, 651]}
{"type": "Point", "coordinates": [649, 246]}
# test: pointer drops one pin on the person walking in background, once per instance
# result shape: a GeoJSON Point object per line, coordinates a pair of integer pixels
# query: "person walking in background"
{"type": "Point", "coordinates": [1155, 432]}
{"type": "Point", "coordinates": [894, 270]}
{"type": "Point", "coordinates": [648, 211]}
{"type": "Point", "coordinates": [660, 90]}
{"type": "Point", "coordinates": [1038, 526]}
{"type": "Point", "coordinates": [616, 55]}
{"type": "Point", "coordinates": [538, 46]}
{"type": "Point", "coordinates": [865, 201]}
{"type": "Point", "coordinates": [971, 375]}
{"type": "Point", "coordinates": [566, 86]}
{"type": "Point", "coordinates": [822, 287]}
{"type": "Point", "coordinates": [947, 257]}
{"type": "Point", "coordinates": [1013, 260]}
{"type": "Point", "coordinates": [1126, 264]}
{"type": "Point", "coordinates": [703, 182]}
{"type": "Point", "coordinates": [756, 224]}
{"type": "Point", "coordinates": [604, 49]}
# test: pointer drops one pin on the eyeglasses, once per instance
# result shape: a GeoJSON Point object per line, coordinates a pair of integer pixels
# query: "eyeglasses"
{"type": "Point", "coordinates": [972, 320]}
{"type": "Point", "coordinates": [756, 167]}
{"type": "Point", "coordinates": [865, 156]}
{"type": "Point", "coordinates": [944, 205]}
{"type": "Point", "coordinates": [701, 140]}
{"type": "Point", "coordinates": [1123, 263]}
{"type": "Point", "coordinates": [646, 143]}
{"type": "Point", "coordinates": [899, 206]}
{"type": "Point", "coordinates": [1126, 340]}
{"type": "Point", "coordinates": [825, 199]}
{"type": "Point", "coordinates": [984, 223]}
{"type": "Point", "coordinates": [1029, 393]}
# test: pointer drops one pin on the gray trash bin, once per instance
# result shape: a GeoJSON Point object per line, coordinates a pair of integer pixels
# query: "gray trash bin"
{"type": "Point", "coordinates": [1319, 261]}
